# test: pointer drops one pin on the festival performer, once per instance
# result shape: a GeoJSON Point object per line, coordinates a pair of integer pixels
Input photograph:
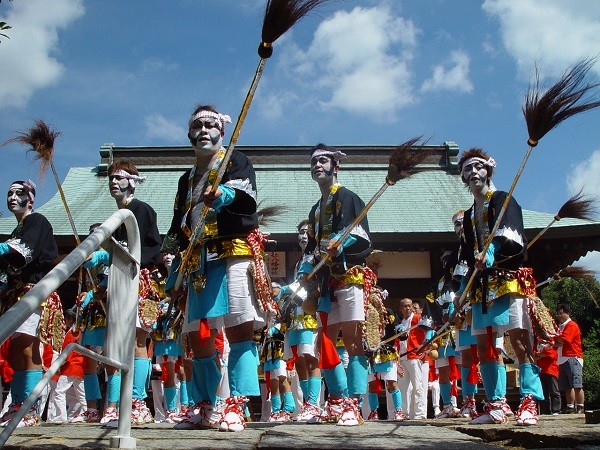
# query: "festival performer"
{"type": "Point", "coordinates": [383, 367]}
{"type": "Point", "coordinates": [168, 349]}
{"type": "Point", "coordinates": [301, 344]}
{"type": "Point", "coordinates": [25, 259]}
{"type": "Point", "coordinates": [91, 321]}
{"type": "Point", "coordinates": [275, 367]}
{"type": "Point", "coordinates": [464, 349]}
{"type": "Point", "coordinates": [220, 290]}
{"type": "Point", "coordinates": [123, 177]}
{"type": "Point", "coordinates": [345, 282]}
{"type": "Point", "coordinates": [499, 301]}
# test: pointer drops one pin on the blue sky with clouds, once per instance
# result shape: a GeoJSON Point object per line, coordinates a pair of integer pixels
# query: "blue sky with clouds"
{"type": "Point", "coordinates": [352, 72]}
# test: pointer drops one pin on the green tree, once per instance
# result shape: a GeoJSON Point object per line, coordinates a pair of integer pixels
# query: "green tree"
{"type": "Point", "coordinates": [582, 296]}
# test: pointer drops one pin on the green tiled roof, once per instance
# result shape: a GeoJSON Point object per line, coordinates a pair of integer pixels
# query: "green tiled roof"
{"type": "Point", "coordinates": [423, 203]}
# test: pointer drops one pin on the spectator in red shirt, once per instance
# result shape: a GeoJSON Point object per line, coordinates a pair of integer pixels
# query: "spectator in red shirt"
{"type": "Point", "coordinates": [68, 399]}
{"type": "Point", "coordinates": [570, 360]}
{"type": "Point", "coordinates": [410, 363]}
{"type": "Point", "coordinates": [547, 359]}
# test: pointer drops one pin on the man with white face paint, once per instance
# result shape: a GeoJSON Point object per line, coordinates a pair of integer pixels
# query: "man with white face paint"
{"type": "Point", "coordinates": [220, 292]}
{"type": "Point", "coordinates": [25, 259]}
{"type": "Point", "coordinates": [503, 306]}
{"type": "Point", "coordinates": [344, 282]}
{"type": "Point", "coordinates": [123, 177]}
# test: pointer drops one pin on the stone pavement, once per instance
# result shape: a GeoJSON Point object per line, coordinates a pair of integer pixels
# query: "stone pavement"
{"type": "Point", "coordinates": [553, 432]}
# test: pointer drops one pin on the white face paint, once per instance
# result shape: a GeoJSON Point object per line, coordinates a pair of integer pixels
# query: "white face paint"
{"type": "Point", "coordinates": [476, 176]}
{"type": "Point", "coordinates": [119, 186]}
{"type": "Point", "coordinates": [458, 225]}
{"type": "Point", "coordinates": [322, 169]}
{"type": "Point", "coordinates": [207, 133]}
{"type": "Point", "coordinates": [303, 236]}
{"type": "Point", "coordinates": [17, 200]}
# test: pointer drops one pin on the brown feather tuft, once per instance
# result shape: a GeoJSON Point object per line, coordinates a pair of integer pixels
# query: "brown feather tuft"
{"type": "Point", "coordinates": [576, 273]}
{"type": "Point", "coordinates": [281, 15]}
{"type": "Point", "coordinates": [404, 160]}
{"type": "Point", "coordinates": [41, 140]}
{"type": "Point", "coordinates": [569, 96]}
{"type": "Point", "coordinates": [270, 214]}
{"type": "Point", "coordinates": [577, 207]}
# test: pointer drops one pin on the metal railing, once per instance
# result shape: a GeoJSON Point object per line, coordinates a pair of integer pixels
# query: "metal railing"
{"type": "Point", "coordinates": [123, 285]}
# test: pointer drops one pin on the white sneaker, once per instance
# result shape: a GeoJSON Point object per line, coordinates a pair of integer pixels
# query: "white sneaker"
{"type": "Point", "coordinates": [310, 414]}
{"type": "Point", "coordinates": [351, 414]}
{"type": "Point", "coordinates": [527, 413]}
{"type": "Point", "coordinates": [399, 415]}
{"type": "Point", "coordinates": [448, 412]}
{"type": "Point", "coordinates": [110, 414]}
{"type": "Point", "coordinates": [335, 408]}
{"type": "Point", "coordinates": [493, 413]}
{"type": "Point", "coordinates": [469, 408]}
{"type": "Point", "coordinates": [436, 411]}
{"type": "Point", "coordinates": [30, 419]}
{"type": "Point", "coordinates": [206, 416]}
{"type": "Point", "coordinates": [233, 414]}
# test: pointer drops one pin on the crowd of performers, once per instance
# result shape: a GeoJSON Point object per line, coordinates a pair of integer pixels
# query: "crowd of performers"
{"type": "Point", "coordinates": [213, 332]}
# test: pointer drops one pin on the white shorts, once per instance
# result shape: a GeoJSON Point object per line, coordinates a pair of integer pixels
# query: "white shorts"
{"type": "Point", "coordinates": [518, 318]}
{"type": "Point", "coordinates": [349, 305]}
{"type": "Point", "coordinates": [241, 302]}
{"type": "Point", "coordinates": [280, 371]}
{"type": "Point", "coordinates": [309, 349]}
{"type": "Point", "coordinates": [30, 326]}
{"type": "Point", "coordinates": [390, 375]}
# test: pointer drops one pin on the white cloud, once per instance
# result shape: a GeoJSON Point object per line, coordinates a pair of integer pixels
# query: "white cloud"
{"type": "Point", "coordinates": [362, 59]}
{"type": "Point", "coordinates": [159, 127]}
{"type": "Point", "coordinates": [28, 59]}
{"type": "Point", "coordinates": [553, 34]}
{"type": "Point", "coordinates": [451, 76]}
{"type": "Point", "coordinates": [585, 176]}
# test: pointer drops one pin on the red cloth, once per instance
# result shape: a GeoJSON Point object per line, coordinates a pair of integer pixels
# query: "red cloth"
{"type": "Point", "coordinates": [433, 373]}
{"type": "Point", "coordinates": [204, 330]}
{"type": "Point", "coordinates": [329, 355]}
{"type": "Point", "coordinates": [572, 340]}
{"type": "Point", "coordinates": [73, 365]}
{"type": "Point", "coordinates": [219, 341]}
{"type": "Point", "coordinates": [547, 360]}
{"type": "Point", "coordinates": [6, 371]}
{"type": "Point", "coordinates": [415, 338]}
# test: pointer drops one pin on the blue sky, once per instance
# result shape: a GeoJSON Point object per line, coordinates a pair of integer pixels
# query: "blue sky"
{"type": "Point", "coordinates": [353, 72]}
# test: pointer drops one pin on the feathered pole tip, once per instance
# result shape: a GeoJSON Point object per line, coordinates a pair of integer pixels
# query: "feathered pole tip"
{"type": "Point", "coordinates": [574, 272]}
{"type": "Point", "coordinates": [404, 160]}
{"type": "Point", "coordinates": [569, 96]}
{"type": "Point", "coordinates": [280, 15]}
{"type": "Point", "coordinates": [577, 207]}
{"type": "Point", "coordinates": [270, 214]}
{"type": "Point", "coordinates": [41, 139]}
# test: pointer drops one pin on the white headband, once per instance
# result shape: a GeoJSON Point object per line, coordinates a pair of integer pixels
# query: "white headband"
{"type": "Point", "coordinates": [28, 187]}
{"type": "Point", "coordinates": [222, 118]}
{"type": "Point", "coordinates": [133, 179]}
{"type": "Point", "coordinates": [486, 162]}
{"type": "Point", "coordinates": [336, 156]}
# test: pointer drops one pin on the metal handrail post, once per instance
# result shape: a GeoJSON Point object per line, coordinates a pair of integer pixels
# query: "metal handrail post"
{"type": "Point", "coordinates": [127, 278]}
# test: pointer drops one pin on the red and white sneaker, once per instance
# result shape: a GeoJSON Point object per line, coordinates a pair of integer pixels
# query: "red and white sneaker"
{"type": "Point", "coordinates": [30, 419]}
{"type": "Point", "coordinates": [110, 415]}
{"type": "Point", "coordinates": [335, 408]}
{"type": "Point", "coordinates": [233, 414]}
{"type": "Point", "coordinates": [448, 412]}
{"type": "Point", "coordinates": [140, 413]}
{"type": "Point", "coordinates": [506, 408]}
{"type": "Point", "coordinates": [527, 413]}
{"type": "Point", "coordinates": [310, 414]}
{"type": "Point", "coordinates": [280, 417]}
{"type": "Point", "coordinates": [493, 412]}
{"type": "Point", "coordinates": [206, 416]}
{"type": "Point", "coordinates": [469, 408]}
{"type": "Point", "coordinates": [373, 415]}
{"type": "Point", "coordinates": [172, 417]}
{"type": "Point", "coordinates": [351, 414]}
{"type": "Point", "coordinates": [10, 413]}
{"type": "Point", "coordinates": [399, 415]}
